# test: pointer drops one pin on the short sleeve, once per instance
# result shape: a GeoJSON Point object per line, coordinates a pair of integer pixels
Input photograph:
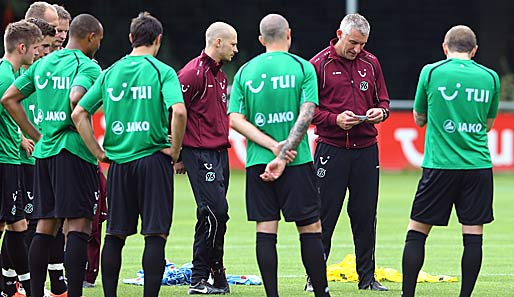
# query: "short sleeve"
{"type": "Point", "coordinates": [493, 111]}
{"type": "Point", "coordinates": [87, 75]}
{"type": "Point", "coordinates": [25, 82]}
{"type": "Point", "coordinates": [310, 85]}
{"type": "Point", "coordinates": [93, 98]}
{"type": "Point", "coordinates": [421, 97]}
{"type": "Point", "coordinates": [236, 103]}
{"type": "Point", "coordinates": [171, 91]}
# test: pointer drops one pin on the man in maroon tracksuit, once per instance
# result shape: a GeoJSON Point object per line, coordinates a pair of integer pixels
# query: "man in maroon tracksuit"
{"type": "Point", "coordinates": [352, 99]}
{"type": "Point", "coordinates": [204, 154]}
{"type": "Point", "coordinates": [95, 239]}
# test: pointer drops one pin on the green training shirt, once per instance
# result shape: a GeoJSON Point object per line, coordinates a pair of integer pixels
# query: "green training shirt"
{"type": "Point", "coordinates": [458, 97]}
{"type": "Point", "coordinates": [269, 90]}
{"type": "Point", "coordinates": [136, 92]}
{"type": "Point", "coordinates": [10, 138]}
{"type": "Point", "coordinates": [52, 78]}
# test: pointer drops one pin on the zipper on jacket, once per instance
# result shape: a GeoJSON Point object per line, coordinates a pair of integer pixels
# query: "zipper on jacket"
{"type": "Point", "coordinates": [347, 139]}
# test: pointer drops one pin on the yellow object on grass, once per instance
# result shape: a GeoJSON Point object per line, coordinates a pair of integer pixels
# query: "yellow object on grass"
{"type": "Point", "coordinates": [345, 271]}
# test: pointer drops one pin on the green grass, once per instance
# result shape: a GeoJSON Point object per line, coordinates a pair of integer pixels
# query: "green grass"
{"type": "Point", "coordinates": [443, 249]}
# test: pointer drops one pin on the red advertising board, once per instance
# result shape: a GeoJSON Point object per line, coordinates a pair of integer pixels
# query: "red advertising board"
{"type": "Point", "coordinates": [400, 142]}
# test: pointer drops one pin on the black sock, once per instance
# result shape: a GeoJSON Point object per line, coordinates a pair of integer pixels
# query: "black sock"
{"type": "Point", "coordinates": [19, 258]}
{"type": "Point", "coordinates": [38, 262]}
{"type": "Point", "coordinates": [470, 263]}
{"type": "Point", "coordinates": [56, 265]}
{"type": "Point", "coordinates": [75, 261]}
{"type": "Point", "coordinates": [266, 249]}
{"type": "Point", "coordinates": [111, 264]}
{"type": "Point", "coordinates": [412, 261]}
{"type": "Point", "coordinates": [314, 262]}
{"type": "Point", "coordinates": [153, 264]}
{"type": "Point", "coordinates": [31, 231]}
{"type": "Point", "coordinates": [8, 274]}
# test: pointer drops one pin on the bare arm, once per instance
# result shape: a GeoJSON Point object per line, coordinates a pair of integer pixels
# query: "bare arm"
{"type": "Point", "coordinates": [76, 94]}
{"type": "Point", "coordinates": [276, 167]}
{"type": "Point", "coordinates": [82, 120]}
{"type": "Point", "coordinates": [420, 118]}
{"type": "Point", "coordinates": [12, 103]}
{"type": "Point", "coordinates": [239, 123]}
{"type": "Point", "coordinates": [299, 129]}
{"type": "Point", "coordinates": [178, 128]}
{"type": "Point", "coordinates": [490, 123]}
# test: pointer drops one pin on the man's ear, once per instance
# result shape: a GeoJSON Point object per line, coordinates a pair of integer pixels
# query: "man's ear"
{"type": "Point", "coordinates": [218, 42]}
{"type": "Point", "coordinates": [261, 40]}
{"type": "Point", "coordinates": [21, 48]}
{"type": "Point", "coordinates": [474, 51]}
{"type": "Point", "coordinates": [158, 39]}
{"type": "Point", "coordinates": [339, 33]}
{"type": "Point", "coordinates": [91, 36]}
{"type": "Point", "coordinates": [130, 38]}
{"type": "Point", "coordinates": [445, 49]}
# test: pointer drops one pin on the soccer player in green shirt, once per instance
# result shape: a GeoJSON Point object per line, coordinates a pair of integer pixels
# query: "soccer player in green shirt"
{"type": "Point", "coordinates": [138, 93]}
{"type": "Point", "coordinates": [273, 99]}
{"type": "Point", "coordinates": [21, 40]}
{"type": "Point", "coordinates": [66, 183]}
{"type": "Point", "coordinates": [457, 99]}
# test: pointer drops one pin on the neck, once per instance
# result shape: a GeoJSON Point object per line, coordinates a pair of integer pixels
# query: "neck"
{"type": "Point", "coordinates": [15, 61]}
{"type": "Point", "coordinates": [461, 56]}
{"type": "Point", "coordinates": [211, 52]}
{"type": "Point", "coordinates": [277, 47]}
{"type": "Point", "coordinates": [143, 51]}
{"type": "Point", "coordinates": [339, 50]}
{"type": "Point", "coordinates": [76, 45]}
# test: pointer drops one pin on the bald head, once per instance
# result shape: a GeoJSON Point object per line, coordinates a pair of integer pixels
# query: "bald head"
{"type": "Point", "coordinates": [84, 24]}
{"type": "Point", "coordinates": [460, 39]}
{"type": "Point", "coordinates": [218, 30]}
{"type": "Point", "coordinates": [43, 10]}
{"type": "Point", "coordinates": [273, 27]}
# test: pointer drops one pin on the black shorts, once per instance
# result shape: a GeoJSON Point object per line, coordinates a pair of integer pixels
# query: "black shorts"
{"type": "Point", "coordinates": [27, 189]}
{"type": "Point", "coordinates": [65, 186]}
{"type": "Point", "coordinates": [11, 209]}
{"type": "Point", "coordinates": [438, 190]}
{"type": "Point", "coordinates": [208, 173]}
{"type": "Point", "coordinates": [141, 187]}
{"type": "Point", "coordinates": [294, 193]}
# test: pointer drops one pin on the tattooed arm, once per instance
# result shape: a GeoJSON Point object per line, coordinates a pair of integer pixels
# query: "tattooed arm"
{"type": "Point", "coordinates": [276, 167]}
{"type": "Point", "coordinates": [299, 129]}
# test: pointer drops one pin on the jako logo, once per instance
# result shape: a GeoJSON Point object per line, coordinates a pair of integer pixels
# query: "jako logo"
{"type": "Point", "coordinates": [117, 128]}
{"type": "Point", "coordinates": [273, 118]}
{"type": "Point", "coordinates": [449, 126]}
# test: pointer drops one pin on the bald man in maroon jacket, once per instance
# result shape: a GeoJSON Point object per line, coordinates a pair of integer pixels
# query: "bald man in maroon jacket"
{"type": "Point", "coordinates": [352, 99]}
{"type": "Point", "coordinates": [204, 154]}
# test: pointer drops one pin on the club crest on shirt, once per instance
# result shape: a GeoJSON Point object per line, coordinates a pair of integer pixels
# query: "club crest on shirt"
{"type": "Point", "coordinates": [321, 172]}
{"type": "Point", "coordinates": [363, 86]}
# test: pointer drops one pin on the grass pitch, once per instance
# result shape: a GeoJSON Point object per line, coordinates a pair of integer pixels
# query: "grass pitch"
{"type": "Point", "coordinates": [443, 249]}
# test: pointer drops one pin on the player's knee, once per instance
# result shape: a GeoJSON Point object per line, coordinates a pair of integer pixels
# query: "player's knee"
{"type": "Point", "coordinates": [310, 225]}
